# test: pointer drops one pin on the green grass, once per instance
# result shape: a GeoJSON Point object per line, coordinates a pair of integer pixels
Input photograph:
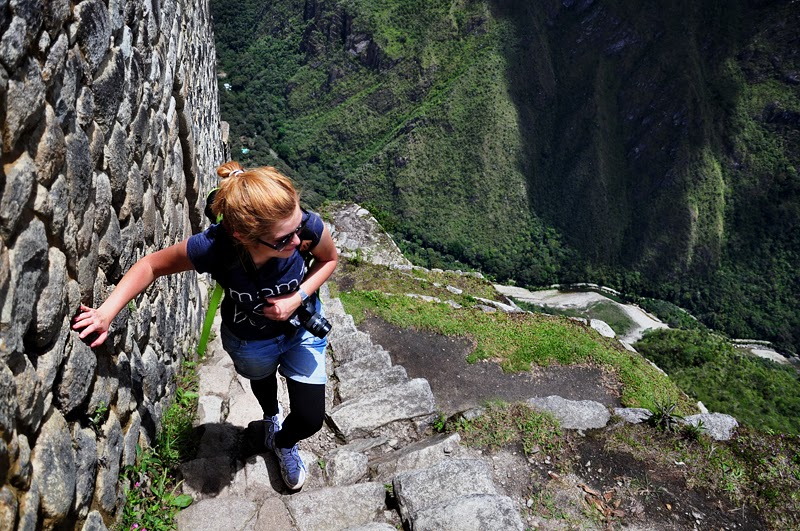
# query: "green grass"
{"type": "Point", "coordinates": [520, 341]}
{"type": "Point", "coordinates": [151, 491]}
{"type": "Point", "coordinates": [503, 424]}
{"type": "Point", "coordinates": [606, 311]}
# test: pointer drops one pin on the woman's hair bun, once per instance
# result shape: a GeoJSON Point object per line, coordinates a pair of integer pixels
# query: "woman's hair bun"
{"type": "Point", "coordinates": [230, 169]}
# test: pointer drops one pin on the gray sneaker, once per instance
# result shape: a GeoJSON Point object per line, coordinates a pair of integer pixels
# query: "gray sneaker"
{"type": "Point", "coordinates": [272, 425]}
{"type": "Point", "coordinates": [293, 469]}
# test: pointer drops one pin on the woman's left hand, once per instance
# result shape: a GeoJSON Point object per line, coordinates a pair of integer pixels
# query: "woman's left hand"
{"type": "Point", "coordinates": [282, 307]}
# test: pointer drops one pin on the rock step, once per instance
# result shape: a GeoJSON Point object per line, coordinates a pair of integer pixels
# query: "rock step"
{"type": "Point", "coordinates": [360, 416]}
{"type": "Point", "coordinates": [376, 361]}
{"type": "Point", "coordinates": [336, 508]}
{"type": "Point", "coordinates": [421, 454]}
{"type": "Point", "coordinates": [370, 382]}
{"type": "Point", "coordinates": [454, 494]}
{"type": "Point", "coordinates": [476, 512]}
{"type": "Point", "coordinates": [350, 347]}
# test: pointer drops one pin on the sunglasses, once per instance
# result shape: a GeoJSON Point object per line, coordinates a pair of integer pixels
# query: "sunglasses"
{"type": "Point", "coordinates": [281, 244]}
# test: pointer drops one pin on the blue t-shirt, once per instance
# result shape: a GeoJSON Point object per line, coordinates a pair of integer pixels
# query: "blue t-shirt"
{"type": "Point", "coordinates": [214, 251]}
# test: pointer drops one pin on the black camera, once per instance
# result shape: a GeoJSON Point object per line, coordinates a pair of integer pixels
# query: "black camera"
{"type": "Point", "coordinates": [307, 317]}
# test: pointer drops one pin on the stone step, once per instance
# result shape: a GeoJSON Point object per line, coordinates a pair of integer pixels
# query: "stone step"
{"type": "Point", "coordinates": [351, 346]}
{"type": "Point", "coordinates": [374, 526]}
{"type": "Point", "coordinates": [336, 508]}
{"type": "Point", "coordinates": [476, 512]}
{"type": "Point", "coordinates": [202, 514]}
{"type": "Point", "coordinates": [454, 494]}
{"type": "Point", "coordinates": [341, 325]}
{"type": "Point", "coordinates": [369, 382]}
{"type": "Point", "coordinates": [360, 416]}
{"type": "Point", "coordinates": [421, 454]}
{"type": "Point", "coordinates": [375, 361]}
{"type": "Point", "coordinates": [418, 489]}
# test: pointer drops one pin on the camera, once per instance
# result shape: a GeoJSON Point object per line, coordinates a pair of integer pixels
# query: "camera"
{"type": "Point", "coordinates": [307, 317]}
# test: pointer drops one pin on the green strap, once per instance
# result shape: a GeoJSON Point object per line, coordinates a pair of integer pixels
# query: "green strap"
{"type": "Point", "coordinates": [212, 311]}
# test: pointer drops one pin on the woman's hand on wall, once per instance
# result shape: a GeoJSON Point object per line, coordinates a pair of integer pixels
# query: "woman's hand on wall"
{"type": "Point", "coordinates": [91, 321]}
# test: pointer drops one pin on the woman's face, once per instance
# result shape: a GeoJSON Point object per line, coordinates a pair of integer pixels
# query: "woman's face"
{"type": "Point", "coordinates": [284, 238]}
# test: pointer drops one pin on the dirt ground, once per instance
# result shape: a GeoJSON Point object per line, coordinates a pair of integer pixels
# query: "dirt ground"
{"type": "Point", "coordinates": [458, 385]}
{"type": "Point", "coordinates": [586, 486]}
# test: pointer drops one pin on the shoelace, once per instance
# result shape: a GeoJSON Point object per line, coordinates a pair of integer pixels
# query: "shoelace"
{"type": "Point", "coordinates": [291, 459]}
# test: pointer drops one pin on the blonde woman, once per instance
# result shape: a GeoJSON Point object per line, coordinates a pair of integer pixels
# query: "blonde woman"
{"type": "Point", "coordinates": [254, 253]}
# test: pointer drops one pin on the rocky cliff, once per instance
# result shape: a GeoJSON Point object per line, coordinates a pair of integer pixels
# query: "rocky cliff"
{"type": "Point", "coordinates": [110, 135]}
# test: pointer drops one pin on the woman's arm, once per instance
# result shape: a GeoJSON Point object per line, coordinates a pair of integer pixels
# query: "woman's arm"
{"type": "Point", "coordinates": [167, 261]}
{"type": "Point", "coordinates": [325, 260]}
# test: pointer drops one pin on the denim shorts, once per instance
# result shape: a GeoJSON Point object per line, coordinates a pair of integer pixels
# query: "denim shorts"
{"type": "Point", "coordinates": [299, 357]}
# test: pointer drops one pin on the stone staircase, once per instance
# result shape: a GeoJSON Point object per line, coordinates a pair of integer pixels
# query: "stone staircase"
{"type": "Point", "coordinates": [374, 465]}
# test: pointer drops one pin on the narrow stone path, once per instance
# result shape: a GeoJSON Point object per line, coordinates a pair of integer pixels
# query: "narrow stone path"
{"type": "Point", "coordinates": [372, 467]}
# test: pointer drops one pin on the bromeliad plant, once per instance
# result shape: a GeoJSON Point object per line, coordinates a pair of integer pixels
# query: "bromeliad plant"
{"type": "Point", "coordinates": [664, 417]}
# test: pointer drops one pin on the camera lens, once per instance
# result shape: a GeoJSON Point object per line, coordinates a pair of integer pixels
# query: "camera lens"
{"type": "Point", "coordinates": [318, 325]}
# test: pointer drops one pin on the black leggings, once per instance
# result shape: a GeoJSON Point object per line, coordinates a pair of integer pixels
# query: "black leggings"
{"type": "Point", "coordinates": [307, 403]}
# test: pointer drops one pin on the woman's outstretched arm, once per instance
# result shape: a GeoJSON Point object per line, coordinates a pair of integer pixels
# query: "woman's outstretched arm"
{"type": "Point", "coordinates": [173, 259]}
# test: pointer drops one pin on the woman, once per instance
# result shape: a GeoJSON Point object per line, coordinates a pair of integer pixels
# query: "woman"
{"type": "Point", "coordinates": [254, 253]}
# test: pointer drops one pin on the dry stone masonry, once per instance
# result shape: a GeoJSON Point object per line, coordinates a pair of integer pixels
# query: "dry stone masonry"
{"type": "Point", "coordinates": [110, 135]}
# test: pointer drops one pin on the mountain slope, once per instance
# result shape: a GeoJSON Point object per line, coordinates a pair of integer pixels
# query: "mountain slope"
{"type": "Point", "coordinates": [649, 148]}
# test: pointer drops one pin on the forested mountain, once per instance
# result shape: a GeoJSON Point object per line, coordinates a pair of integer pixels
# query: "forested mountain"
{"type": "Point", "coordinates": [651, 147]}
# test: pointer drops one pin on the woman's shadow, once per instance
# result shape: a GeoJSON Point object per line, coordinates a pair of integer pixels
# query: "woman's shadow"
{"type": "Point", "coordinates": [231, 461]}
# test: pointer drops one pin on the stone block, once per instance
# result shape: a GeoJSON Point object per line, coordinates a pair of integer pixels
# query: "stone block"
{"type": "Point", "coordinates": [377, 360]}
{"type": "Point", "coordinates": [20, 177]}
{"type": "Point", "coordinates": [54, 469]}
{"type": "Point", "coordinates": [343, 467]}
{"type": "Point", "coordinates": [94, 522]}
{"type": "Point", "coordinates": [51, 306]}
{"type": "Point", "coordinates": [358, 417]}
{"type": "Point", "coordinates": [371, 381]}
{"type": "Point", "coordinates": [235, 514]}
{"type": "Point", "coordinates": [718, 425]}
{"type": "Point", "coordinates": [93, 31]}
{"type": "Point", "coordinates": [477, 512]}
{"type": "Point", "coordinates": [573, 414]}
{"type": "Point", "coordinates": [336, 508]}
{"type": "Point", "coordinates": [24, 103]}
{"type": "Point", "coordinates": [446, 481]}
{"type": "Point", "coordinates": [109, 452]}
{"type": "Point", "coordinates": [421, 454]}
{"type": "Point", "coordinates": [85, 443]}
{"type": "Point", "coordinates": [77, 375]}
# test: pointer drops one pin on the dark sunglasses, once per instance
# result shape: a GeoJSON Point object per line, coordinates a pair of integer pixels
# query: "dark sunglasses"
{"type": "Point", "coordinates": [281, 244]}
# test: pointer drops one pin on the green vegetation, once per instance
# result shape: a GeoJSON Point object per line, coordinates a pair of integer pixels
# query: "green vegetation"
{"type": "Point", "coordinates": [502, 424]}
{"type": "Point", "coordinates": [606, 311]}
{"type": "Point", "coordinates": [649, 148]}
{"type": "Point", "coordinates": [151, 499]}
{"type": "Point", "coordinates": [753, 469]}
{"type": "Point", "coordinates": [758, 392]}
{"type": "Point", "coordinates": [520, 341]}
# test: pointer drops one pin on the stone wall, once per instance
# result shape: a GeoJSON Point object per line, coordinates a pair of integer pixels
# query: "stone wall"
{"type": "Point", "coordinates": [110, 137]}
